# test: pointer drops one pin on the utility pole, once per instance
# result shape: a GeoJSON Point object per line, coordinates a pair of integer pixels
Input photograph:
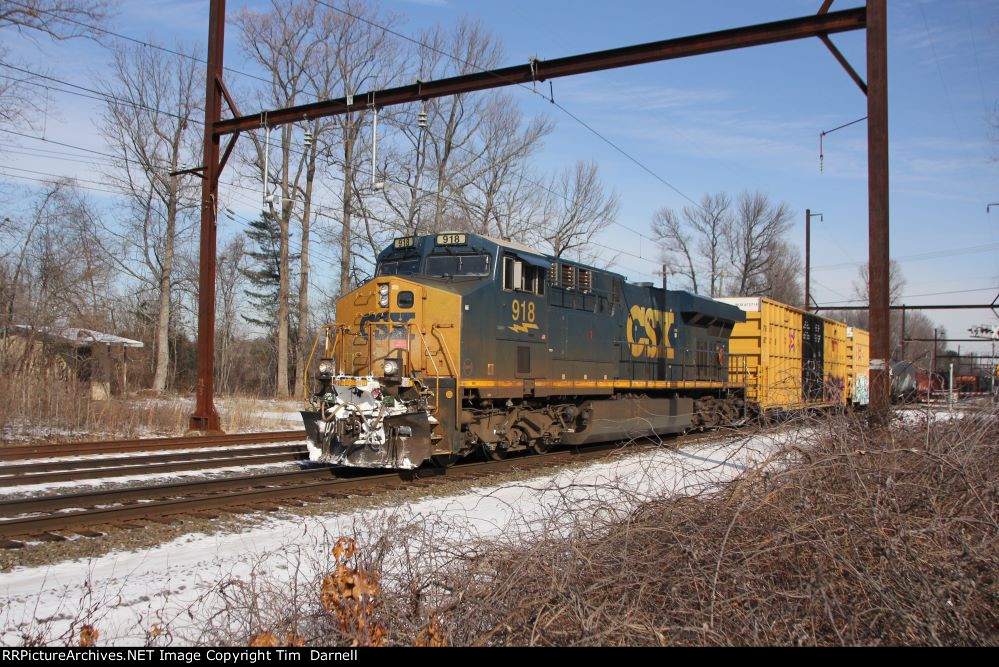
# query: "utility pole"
{"type": "Point", "coordinates": [808, 255]}
{"type": "Point", "coordinates": [877, 200]}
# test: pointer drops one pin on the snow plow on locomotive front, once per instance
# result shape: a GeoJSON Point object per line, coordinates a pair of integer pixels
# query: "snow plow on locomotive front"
{"type": "Point", "coordinates": [386, 375]}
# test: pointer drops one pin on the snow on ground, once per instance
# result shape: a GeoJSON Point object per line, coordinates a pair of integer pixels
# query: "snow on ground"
{"type": "Point", "coordinates": [20, 430]}
{"type": "Point", "coordinates": [919, 415]}
{"type": "Point", "coordinates": [124, 593]}
{"type": "Point", "coordinates": [282, 416]}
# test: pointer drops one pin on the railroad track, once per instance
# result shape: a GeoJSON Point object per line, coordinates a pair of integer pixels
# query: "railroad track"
{"type": "Point", "coordinates": [68, 470]}
{"type": "Point", "coordinates": [21, 452]}
{"type": "Point", "coordinates": [78, 513]}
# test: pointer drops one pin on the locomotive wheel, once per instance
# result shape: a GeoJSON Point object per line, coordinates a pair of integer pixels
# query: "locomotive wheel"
{"type": "Point", "coordinates": [541, 445]}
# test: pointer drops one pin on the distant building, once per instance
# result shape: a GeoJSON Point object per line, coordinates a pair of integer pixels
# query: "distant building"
{"type": "Point", "coordinates": [93, 357]}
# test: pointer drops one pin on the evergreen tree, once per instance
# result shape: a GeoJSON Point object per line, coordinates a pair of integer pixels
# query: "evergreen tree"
{"type": "Point", "coordinates": [263, 274]}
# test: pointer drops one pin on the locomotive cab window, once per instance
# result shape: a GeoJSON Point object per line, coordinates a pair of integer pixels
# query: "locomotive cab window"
{"type": "Point", "coordinates": [521, 276]}
{"type": "Point", "coordinates": [399, 267]}
{"type": "Point", "coordinates": [453, 266]}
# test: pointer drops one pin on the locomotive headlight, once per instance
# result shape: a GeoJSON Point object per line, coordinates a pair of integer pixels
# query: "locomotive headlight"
{"type": "Point", "coordinates": [383, 296]}
{"type": "Point", "coordinates": [326, 367]}
{"type": "Point", "coordinates": [390, 367]}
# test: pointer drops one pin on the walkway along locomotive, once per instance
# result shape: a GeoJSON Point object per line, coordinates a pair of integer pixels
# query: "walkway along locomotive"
{"type": "Point", "coordinates": [463, 342]}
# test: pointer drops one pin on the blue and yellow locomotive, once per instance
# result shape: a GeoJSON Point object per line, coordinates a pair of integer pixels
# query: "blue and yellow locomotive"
{"type": "Point", "coordinates": [463, 342]}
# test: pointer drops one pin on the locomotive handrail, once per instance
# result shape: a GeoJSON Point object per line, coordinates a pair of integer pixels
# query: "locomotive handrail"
{"type": "Point", "coordinates": [324, 331]}
{"type": "Point", "coordinates": [437, 372]}
{"type": "Point", "coordinates": [453, 369]}
{"type": "Point", "coordinates": [447, 353]}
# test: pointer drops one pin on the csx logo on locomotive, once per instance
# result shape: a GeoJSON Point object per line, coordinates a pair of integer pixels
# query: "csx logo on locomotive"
{"type": "Point", "coordinates": [648, 332]}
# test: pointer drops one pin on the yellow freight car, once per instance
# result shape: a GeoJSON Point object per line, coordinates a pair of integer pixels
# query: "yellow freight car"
{"type": "Point", "coordinates": [858, 352]}
{"type": "Point", "coordinates": [789, 359]}
{"type": "Point", "coordinates": [834, 362]}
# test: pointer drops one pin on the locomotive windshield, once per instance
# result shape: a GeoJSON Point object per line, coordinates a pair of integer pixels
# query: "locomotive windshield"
{"type": "Point", "coordinates": [399, 267]}
{"type": "Point", "coordinates": [451, 266]}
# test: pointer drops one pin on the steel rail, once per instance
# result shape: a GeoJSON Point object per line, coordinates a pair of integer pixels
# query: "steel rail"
{"type": "Point", "coordinates": [71, 470]}
{"type": "Point", "coordinates": [145, 444]}
{"type": "Point", "coordinates": [17, 507]}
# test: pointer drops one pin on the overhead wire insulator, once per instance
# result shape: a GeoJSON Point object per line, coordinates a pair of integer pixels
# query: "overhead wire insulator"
{"type": "Point", "coordinates": [422, 121]}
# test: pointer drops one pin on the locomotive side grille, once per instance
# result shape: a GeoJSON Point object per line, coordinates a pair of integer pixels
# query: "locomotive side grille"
{"type": "Point", "coordinates": [568, 276]}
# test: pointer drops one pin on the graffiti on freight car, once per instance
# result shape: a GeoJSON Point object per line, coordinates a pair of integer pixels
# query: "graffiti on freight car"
{"type": "Point", "coordinates": [861, 394]}
{"type": "Point", "coordinates": [791, 344]}
{"type": "Point", "coordinates": [648, 332]}
{"type": "Point", "coordinates": [834, 388]}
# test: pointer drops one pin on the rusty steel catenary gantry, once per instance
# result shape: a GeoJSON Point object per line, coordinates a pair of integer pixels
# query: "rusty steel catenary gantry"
{"type": "Point", "coordinates": [871, 17]}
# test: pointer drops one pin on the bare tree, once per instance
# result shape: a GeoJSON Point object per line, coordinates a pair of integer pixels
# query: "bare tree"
{"type": "Point", "coordinates": [578, 206]}
{"type": "Point", "coordinates": [283, 42]}
{"type": "Point", "coordinates": [313, 52]}
{"type": "Point", "coordinates": [915, 324]}
{"type": "Point", "coordinates": [58, 19]}
{"type": "Point", "coordinates": [230, 279]}
{"type": "Point", "coordinates": [503, 199]}
{"type": "Point", "coordinates": [676, 244]}
{"type": "Point", "coordinates": [697, 242]}
{"type": "Point", "coordinates": [439, 159]}
{"type": "Point", "coordinates": [148, 146]}
{"type": "Point", "coordinates": [56, 275]}
{"type": "Point", "coordinates": [752, 238]}
{"type": "Point", "coordinates": [365, 58]}
{"type": "Point", "coordinates": [782, 276]}
{"type": "Point", "coordinates": [17, 106]}
{"type": "Point", "coordinates": [896, 282]}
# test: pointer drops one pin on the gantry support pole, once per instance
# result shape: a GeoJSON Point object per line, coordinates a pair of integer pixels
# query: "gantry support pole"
{"type": "Point", "coordinates": [205, 418]}
{"type": "Point", "coordinates": [877, 188]}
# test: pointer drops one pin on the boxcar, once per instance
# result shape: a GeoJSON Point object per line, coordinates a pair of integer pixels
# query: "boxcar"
{"type": "Point", "coordinates": [790, 359]}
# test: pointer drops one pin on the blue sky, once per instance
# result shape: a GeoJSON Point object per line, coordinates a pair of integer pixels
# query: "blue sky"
{"type": "Point", "coordinates": [748, 119]}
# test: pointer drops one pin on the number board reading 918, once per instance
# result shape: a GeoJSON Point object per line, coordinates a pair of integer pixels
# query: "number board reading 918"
{"type": "Point", "coordinates": [450, 239]}
{"type": "Point", "coordinates": [406, 242]}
